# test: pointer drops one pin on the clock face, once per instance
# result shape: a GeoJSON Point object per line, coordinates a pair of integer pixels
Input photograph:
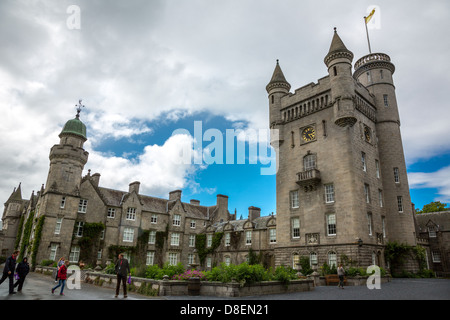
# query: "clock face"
{"type": "Point", "coordinates": [309, 134]}
{"type": "Point", "coordinates": [367, 134]}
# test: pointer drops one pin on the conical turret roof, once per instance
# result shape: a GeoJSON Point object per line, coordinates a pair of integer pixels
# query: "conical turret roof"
{"type": "Point", "coordinates": [337, 49]}
{"type": "Point", "coordinates": [278, 79]}
{"type": "Point", "coordinates": [16, 195]}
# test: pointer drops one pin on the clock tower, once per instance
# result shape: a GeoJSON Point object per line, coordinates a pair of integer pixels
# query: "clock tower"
{"type": "Point", "coordinates": [341, 183]}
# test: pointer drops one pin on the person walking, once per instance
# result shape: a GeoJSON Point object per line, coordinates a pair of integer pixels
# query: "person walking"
{"type": "Point", "coordinates": [8, 271]}
{"type": "Point", "coordinates": [341, 273]}
{"type": "Point", "coordinates": [22, 270]}
{"type": "Point", "coordinates": [62, 276]}
{"type": "Point", "coordinates": [60, 263]}
{"type": "Point", "coordinates": [122, 270]}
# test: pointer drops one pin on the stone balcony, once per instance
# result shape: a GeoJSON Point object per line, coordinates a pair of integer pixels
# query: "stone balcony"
{"type": "Point", "coordinates": [308, 179]}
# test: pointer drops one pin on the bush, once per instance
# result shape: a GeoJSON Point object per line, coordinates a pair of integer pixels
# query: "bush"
{"type": "Point", "coordinates": [285, 274]}
{"type": "Point", "coordinates": [47, 263]}
{"type": "Point", "coordinates": [153, 272]}
{"type": "Point", "coordinates": [110, 268]}
{"type": "Point", "coordinates": [189, 274]}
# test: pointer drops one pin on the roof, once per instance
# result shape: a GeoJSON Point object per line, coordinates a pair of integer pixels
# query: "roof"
{"type": "Point", "coordinates": [76, 127]}
{"type": "Point", "coordinates": [337, 49]}
{"type": "Point", "coordinates": [278, 78]}
{"type": "Point", "coordinates": [441, 219]}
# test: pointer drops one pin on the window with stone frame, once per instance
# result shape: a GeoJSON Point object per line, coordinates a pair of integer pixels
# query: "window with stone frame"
{"type": "Point", "coordinates": [272, 235]}
{"type": "Point", "coordinates": [312, 259]}
{"type": "Point", "coordinates": [175, 239]}
{"type": "Point", "coordinates": [152, 237]}
{"type": "Point", "coordinates": [192, 240]}
{"type": "Point", "coordinates": [329, 193]}
{"type": "Point", "coordinates": [331, 224]}
{"type": "Point", "coordinates": [58, 225]}
{"type": "Point", "coordinates": [309, 162]}
{"type": "Point", "coordinates": [111, 213]}
{"type": "Point", "coordinates": [128, 235]}
{"type": "Point", "coordinates": [176, 220]}
{"type": "Point", "coordinates": [131, 214]}
{"type": "Point", "coordinates": [173, 258]}
{"type": "Point", "coordinates": [294, 199]}
{"type": "Point", "coordinates": [74, 254]}
{"type": "Point", "coordinates": [295, 228]}
{"type": "Point", "coordinates": [154, 218]}
{"type": "Point", "coordinates": [400, 203]}
{"type": "Point", "coordinates": [79, 229]}
{"type": "Point", "coordinates": [227, 239]}
{"type": "Point", "coordinates": [150, 259]}
{"type": "Point", "coordinates": [82, 206]}
{"type": "Point", "coordinates": [248, 237]}
{"type": "Point", "coordinates": [332, 259]}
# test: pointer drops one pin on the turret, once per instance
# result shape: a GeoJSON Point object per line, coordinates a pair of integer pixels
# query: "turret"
{"type": "Point", "coordinates": [375, 71]}
{"type": "Point", "coordinates": [67, 159]}
{"type": "Point", "coordinates": [339, 63]}
{"type": "Point", "coordinates": [276, 88]}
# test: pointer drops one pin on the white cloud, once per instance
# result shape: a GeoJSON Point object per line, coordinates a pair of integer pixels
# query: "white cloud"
{"type": "Point", "coordinates": [160, 169]}
{"type": "Point", "coordinates": [439, 179]}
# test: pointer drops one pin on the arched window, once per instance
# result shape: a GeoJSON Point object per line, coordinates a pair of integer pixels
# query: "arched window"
{"type": "Point", "coordinates": [312, 259]}
{"type": "Point", "coordinates": [295, 260]}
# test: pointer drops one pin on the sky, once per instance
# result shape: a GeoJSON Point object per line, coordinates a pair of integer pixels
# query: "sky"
{"type": "Point", "coordinates": [147, 71]}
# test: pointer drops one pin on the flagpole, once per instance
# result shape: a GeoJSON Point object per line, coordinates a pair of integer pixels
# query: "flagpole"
{"type": "Point", "coordinates": [367, 33]}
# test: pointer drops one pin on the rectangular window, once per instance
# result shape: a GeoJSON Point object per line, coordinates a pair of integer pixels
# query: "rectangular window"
{"type": "Point", "coordinates": [363, 160]}
{"type": "Point", "coordinates": [294, 199]}
{"type": "Point", "coordinates": [74, 255]}
{"type": "Point", "coordinates": [209, 238]}
{"type": "Point", "coordinates": [193, 224]}
{"type": "Point", "coordinates": [191, 258]}
{"type": "Point", "coordinates": [381, 74]}
{"type": "Point", "coordinates": [396, 176]}
{"type": "Point", "coordinates": [152, 237]}
{"type": "Point", "coordinates": [111, 213]}
{"type": "Point", "coordinates": [208, 262]}
{"type": "Point", "coordinates": [248, 237]}
{"type": "Point", "coordinates": [58, 225]}
{"type": "Point", "coordinates": [329, 193]}
{"type": "Point", "coordinates": [295, 228]}
{"type": "Point", "coordinates": [313, 259]}
{"type": "Point", "coordinates": [380, 198]}
{"type": "Point", "coordinates": [192, 240]}
{"type": "Point", "coordinates": [82, 206]}
{"type": "Point", "coordinates": [331, 224]}
{"type": "Point", "coordinates": [227, 239]}
{"type": "Point", "coordinates": [99, 254]}
{"type": "Point", "coordinates": [385, 100]}
{"type": "Point", "coordinates": [53, 249]}
{"type": "Point", "coordinates": [272, 235]}
{"type": "Point", "coordinates": [436, 256]}
{"type": "Point", "coordinates": [131, 214]}
{"type": "Point", "coordinates": [63, 203]}
{"type": "Point", "coordinates": [150, 258]}
{"type": "Point", "coordinates": [377, 166]}
{"type": "Point", "coordinates": [175, 239]}
{"type": "Point", "coordinates": [400, 203]}
{"type": "Point", "coordinates": [128, 235]}
{"type": "Point", "coordinates": [369, 77]}
{"type": "Point", "coordinates": [367, 192]}
{"type": "Point", "coordinates": [383, 226]}
{"type": "Point", "coordinates": [154, 218]}
{"type": "Point", "coordinates": [176, 220]}
{"type": "Point", "coordinates": [173, 259]}
{"type": "Point", "coordinates": [79, 229]}
{"type": "Point", "coordinates": [432, 232]}
{"type": "Point", "coordinates": [369, 223]}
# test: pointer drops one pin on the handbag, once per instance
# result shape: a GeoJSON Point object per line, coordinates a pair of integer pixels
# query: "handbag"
{"type": "Point", "coordinates": [129, 280]}
{"type": "Point", "coordinates": [16, 276]}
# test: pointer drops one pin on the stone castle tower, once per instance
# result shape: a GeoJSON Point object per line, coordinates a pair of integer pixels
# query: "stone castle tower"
{"type": "Point", "coordinates": [342, 188]}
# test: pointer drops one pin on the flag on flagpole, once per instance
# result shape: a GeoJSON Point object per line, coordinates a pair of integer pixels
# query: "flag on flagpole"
{"type": "Point", "coordinates": [367, 19]}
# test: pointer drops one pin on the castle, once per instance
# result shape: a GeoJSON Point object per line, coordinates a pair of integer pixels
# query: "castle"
{"type": "Point", "coordinates": [342, 188]}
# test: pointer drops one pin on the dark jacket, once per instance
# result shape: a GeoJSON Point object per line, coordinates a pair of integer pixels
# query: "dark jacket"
{"type": "Point", "coordinates": [23, 268]}
{"type": "Point", "coordinates": [122, 267]}
{"type": "Point", "coordinates": [10, 265]}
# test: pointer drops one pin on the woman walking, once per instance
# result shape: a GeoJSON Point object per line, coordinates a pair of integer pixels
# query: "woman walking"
{"type": "Point", "coordinates": [62, 276]}
{"type": "Point", "coordinates": [60, 263]}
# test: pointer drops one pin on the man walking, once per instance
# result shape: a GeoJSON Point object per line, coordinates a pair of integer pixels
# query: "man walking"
{"type": "Point", "coordinates": [122, 270]}
{"type": "Point", "coordinates": [341, 274]}
{"type": "Point", "coordinates": [8, 271]}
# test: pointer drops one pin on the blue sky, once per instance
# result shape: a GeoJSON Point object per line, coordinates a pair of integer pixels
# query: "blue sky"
{"type": "Point", "coordinates": [145, 68]}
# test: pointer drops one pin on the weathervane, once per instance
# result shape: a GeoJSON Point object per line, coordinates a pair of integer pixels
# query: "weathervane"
{"type": "Point", "coordinates": [79, 106]}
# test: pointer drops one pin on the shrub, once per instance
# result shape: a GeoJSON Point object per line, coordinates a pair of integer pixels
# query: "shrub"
{"type": "Point", "coordinates": [189, 274]}
{"type": "Point", "coordinates": [47, 263]}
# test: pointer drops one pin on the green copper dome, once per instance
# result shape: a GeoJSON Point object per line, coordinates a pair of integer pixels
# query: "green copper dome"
{"type": "Point", "coordinates": [76, 127]}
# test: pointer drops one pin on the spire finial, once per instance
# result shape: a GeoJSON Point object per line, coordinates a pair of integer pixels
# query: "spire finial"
{"type": "Point", "coordinates": [278, 61]}
{"type": "Point", "coordinates": [335, 29]}
{"type": "Point", "coordinates": [79, 106]}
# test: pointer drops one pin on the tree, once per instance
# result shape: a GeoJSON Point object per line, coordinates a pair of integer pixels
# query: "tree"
{"type": "Point", "coordinates": [434, 207]}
